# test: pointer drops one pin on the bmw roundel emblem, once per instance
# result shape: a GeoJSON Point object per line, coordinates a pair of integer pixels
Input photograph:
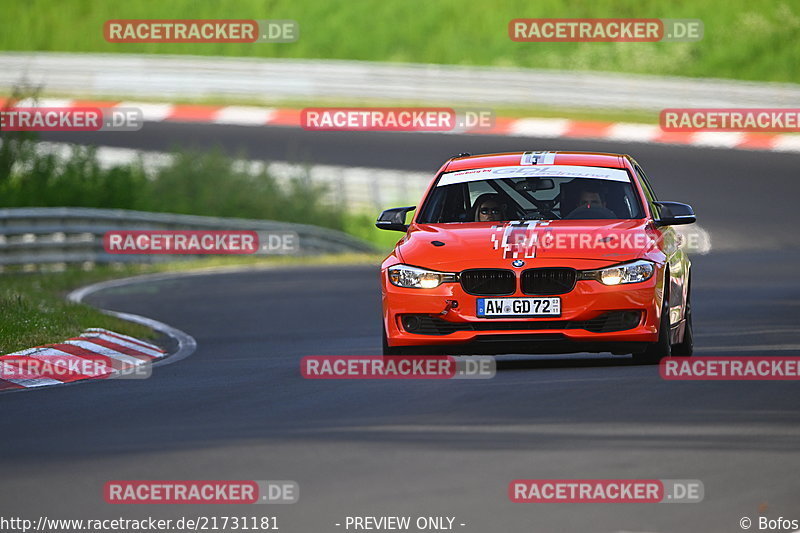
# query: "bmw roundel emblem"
{"type": "Point", "coordinates": [518, 263]}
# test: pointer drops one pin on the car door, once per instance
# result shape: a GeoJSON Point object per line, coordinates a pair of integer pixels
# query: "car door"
{"type": "Point", "coordinates": [676, 257]}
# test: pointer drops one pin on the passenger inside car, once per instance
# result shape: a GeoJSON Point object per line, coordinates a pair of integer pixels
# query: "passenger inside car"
{"type": "Point", "coordinates": [489, 208]}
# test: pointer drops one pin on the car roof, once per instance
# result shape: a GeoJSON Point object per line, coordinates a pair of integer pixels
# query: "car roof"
{"type": "Point", "coordinates": [508, 159]}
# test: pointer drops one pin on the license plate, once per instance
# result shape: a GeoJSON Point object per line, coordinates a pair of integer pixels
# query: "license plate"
{"type": "Point", "coordinates": [497, 307]}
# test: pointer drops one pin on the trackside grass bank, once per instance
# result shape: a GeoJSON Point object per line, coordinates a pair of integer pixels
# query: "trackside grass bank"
{"type": "Point", "coordinates": [742, 39]}
{"type": "Point", "coordinates": [33, 309]}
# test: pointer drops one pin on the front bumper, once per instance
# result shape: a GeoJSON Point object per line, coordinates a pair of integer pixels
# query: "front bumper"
{"type": "Point", "coordinates": [594, 318]}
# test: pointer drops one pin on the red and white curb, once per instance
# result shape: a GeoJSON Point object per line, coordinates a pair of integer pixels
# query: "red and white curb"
{"type": "Point", "coordinates": [518, 127]}
{"type": "Point", "coordinates": [106, 353]}
{"type": "Point", "coordinates": [95, 354]}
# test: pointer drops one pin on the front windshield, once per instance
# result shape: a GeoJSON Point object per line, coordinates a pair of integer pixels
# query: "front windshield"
{"type": "Point", "coordinates": [531, 198]}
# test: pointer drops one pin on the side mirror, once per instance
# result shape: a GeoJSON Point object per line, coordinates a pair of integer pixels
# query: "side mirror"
{"type": "Point", "coordinates": [674, 214]}
{"type": "Point", "coordinates": [394, 219]}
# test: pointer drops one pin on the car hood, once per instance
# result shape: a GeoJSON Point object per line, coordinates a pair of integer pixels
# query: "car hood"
{"type": "Point", "coordinates": [586, 243]}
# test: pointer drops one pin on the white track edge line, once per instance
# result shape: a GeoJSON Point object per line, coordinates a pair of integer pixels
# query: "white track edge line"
{"type": "Point", "coordinates": [186, 343]}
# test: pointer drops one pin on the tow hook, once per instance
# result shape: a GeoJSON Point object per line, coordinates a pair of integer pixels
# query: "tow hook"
{"type": "Point", "coordinates": [449, 304]}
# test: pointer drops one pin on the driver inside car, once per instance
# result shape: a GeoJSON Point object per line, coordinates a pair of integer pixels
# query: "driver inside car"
{"type": "Point", "coordinates": [591, 199]}
{"type": "Point", "coordinates": [591, 205]}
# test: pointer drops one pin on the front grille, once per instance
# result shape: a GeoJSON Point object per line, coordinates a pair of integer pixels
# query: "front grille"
{"type": "Point", "coordinates": [605, 323]}
{"type": "Point", "coordinates": [541, 281]}
{"type": "Point", "coordinates": [488, 281]}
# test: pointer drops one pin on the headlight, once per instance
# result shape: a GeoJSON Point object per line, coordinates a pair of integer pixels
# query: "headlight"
{"type": "Point", "coordinates": [634, 272]}
{"type": "Point", "coordinates": [418, 278]}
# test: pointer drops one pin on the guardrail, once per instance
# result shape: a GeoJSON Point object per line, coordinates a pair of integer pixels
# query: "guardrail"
{"type": "Point", "coordinates": [164, 76]}
{"type": "Point", "coordinates": [72, 235]}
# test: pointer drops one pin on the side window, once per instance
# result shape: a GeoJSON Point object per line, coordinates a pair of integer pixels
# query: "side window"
{"type": "Point", "coordinates": [455, 208]}
{"type": "Point", "coordinates": [648, 189]}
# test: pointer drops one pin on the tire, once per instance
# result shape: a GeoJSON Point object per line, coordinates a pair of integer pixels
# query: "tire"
{"type": "Point", "coordinates": [685, 348]}
{"type": "Point", "coordinates": [389, 351]}
{"type": "Point", "coordinates": [662, 348]}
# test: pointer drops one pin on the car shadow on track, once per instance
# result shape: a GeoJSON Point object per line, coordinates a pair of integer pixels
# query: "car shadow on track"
{"type": "Point", "coordinates": [534, 363]}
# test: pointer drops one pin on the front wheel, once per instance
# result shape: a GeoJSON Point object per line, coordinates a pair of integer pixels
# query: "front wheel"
{"type": "Point", "coordinates": [662, 348]}
{"type": "Point", "coordinates": [685, 348]}
{"type": "Point", "coordinates": [393, 350]}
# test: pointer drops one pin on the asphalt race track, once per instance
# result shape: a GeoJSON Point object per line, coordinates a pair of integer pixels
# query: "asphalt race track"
{"type": "Point", "coordinates": [239, 409]}
{"type": "Point", "coordinates": [746, 199]}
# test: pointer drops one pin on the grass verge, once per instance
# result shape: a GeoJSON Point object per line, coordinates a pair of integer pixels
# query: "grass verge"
{"type": "Point", "coordinates": [34, 311]}
{"type": "Point", "coordinates": [742, 39]}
